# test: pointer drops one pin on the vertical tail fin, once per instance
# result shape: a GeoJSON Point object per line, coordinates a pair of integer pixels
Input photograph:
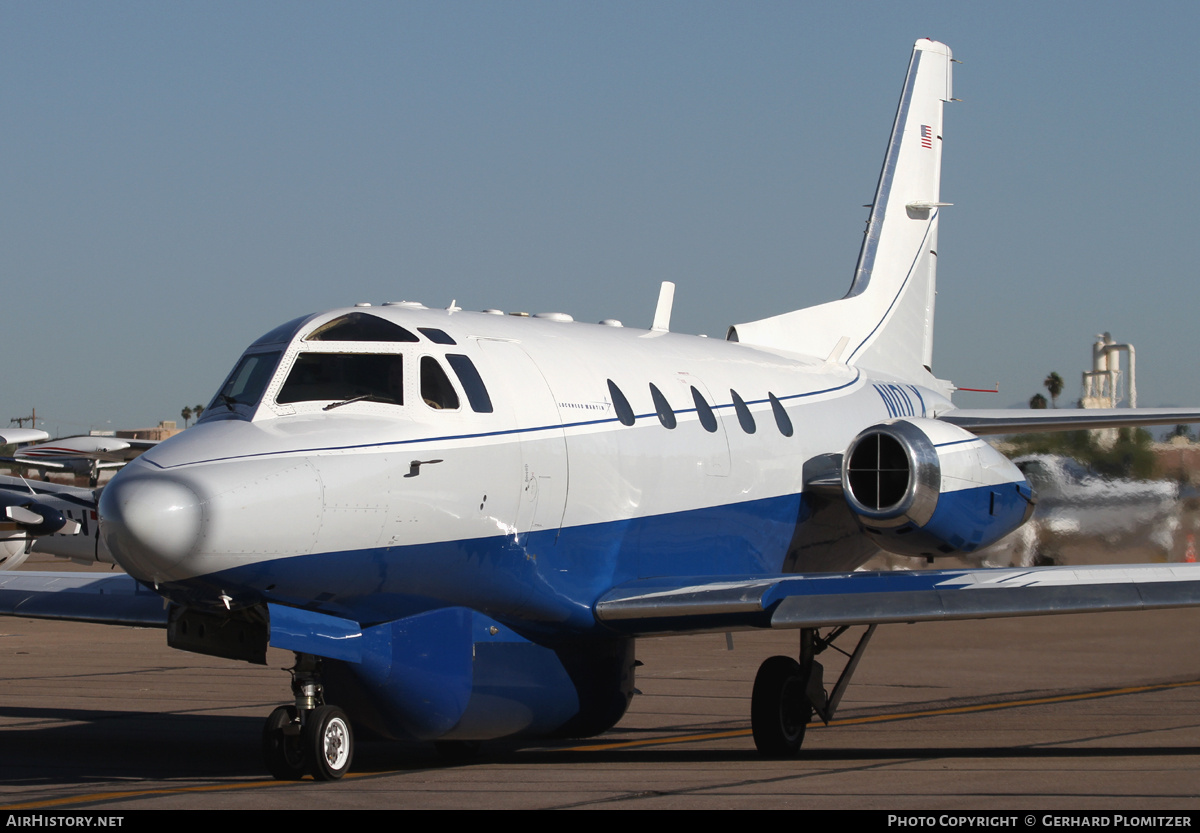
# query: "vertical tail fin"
{"type": "Point", "coordinates": [887, 316]}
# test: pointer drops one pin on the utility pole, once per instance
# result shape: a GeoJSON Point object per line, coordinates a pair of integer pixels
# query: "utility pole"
{"type": "Point", "coordinates": [20, 421]}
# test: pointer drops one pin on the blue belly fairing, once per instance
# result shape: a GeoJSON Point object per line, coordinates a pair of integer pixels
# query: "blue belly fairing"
{"type": "Point", "coordinates": [542, 579]}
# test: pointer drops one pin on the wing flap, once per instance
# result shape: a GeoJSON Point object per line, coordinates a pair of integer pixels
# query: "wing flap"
{"type": "Point", "coordinates": [691, 605]}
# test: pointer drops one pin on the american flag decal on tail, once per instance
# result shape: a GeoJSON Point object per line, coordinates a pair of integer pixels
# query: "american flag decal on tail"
{"type": "Point", "coordinates": [926, 136]}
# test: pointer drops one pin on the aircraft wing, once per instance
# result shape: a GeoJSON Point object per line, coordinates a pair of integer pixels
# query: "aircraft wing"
{"type": "Point", "coordinates": [104, 598]}
{"type": "Point", "coordinates": [659, 606]}
{"type": "Point", "coordinates": [17, 436]}
{"type": "Point", "coordinates": [39, 464]}
{"type": "Point", "coordinates": [47, 463]}
{"type": "Point", "coordinates": [691, 605]}
{"type": "Point", "coordinates": [1000, 421]}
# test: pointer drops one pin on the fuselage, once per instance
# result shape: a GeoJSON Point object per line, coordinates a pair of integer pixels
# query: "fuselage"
{"type": "Point", "coordinates": [513, 465]}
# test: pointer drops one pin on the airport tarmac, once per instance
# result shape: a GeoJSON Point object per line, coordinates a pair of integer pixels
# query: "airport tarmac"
{"type": "Point", "coordinates": [1077, 712]}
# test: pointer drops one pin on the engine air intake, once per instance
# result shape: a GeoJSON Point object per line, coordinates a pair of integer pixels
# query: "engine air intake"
{"type": "Point", "coordinates": [879, 472]}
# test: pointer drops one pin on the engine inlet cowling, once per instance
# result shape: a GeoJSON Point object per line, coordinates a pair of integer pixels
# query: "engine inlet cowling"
{"type": "Point", "coordinates": [927, 488]}
{"type": "Point", "coordinates": [891, 475]}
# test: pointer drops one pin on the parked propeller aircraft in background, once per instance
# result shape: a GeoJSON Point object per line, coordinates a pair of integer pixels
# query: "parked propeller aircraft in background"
{"type": "Point", "coordinates": [61, 519]}
{"type": "Point", "coordinates": [82, 455]}
{"type": "Point", "coordinates": [28, 514]}
{"type": "Point", "coordinates": [461, 521]}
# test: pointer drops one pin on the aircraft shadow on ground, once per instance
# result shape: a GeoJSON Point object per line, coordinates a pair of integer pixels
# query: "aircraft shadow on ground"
{"type": "Point", "coordinates": [96, 745]}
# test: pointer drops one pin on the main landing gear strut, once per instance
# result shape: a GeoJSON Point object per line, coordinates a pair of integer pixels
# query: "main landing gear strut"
{"type": "Point", "coordinates": [787, 692]}
{"type": "Point", "coordinates": [308, 738]}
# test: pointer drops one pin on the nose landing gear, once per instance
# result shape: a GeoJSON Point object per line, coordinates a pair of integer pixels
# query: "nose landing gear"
{"type": "Point", "coordinates": [283, 751]}
{"type": "Point", "coordinates": [309, 738]}
{"type": "Point", "coordinates": [328, 741]}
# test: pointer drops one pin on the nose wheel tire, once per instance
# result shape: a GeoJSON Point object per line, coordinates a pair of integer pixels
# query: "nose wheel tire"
{"type": "Point", "coordinates": [779, 708]}
{"type": "Point", "coordinates": [283, 752]}
{"type": "Point", "coordinates": [328, 742]}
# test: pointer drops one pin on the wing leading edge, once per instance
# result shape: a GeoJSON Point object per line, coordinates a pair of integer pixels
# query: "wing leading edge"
{"type": "Point", "coordinates": [816, 600]}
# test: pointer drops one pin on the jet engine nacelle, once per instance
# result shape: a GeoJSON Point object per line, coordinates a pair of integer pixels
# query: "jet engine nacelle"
{"type": "Point", "coordinates": [927, 488]}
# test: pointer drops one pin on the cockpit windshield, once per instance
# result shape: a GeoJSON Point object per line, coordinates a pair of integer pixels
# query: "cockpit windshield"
{"type": "Point", "coordinates": [377, 377]}
{"type": "Point", "coordinates": [247, 382]}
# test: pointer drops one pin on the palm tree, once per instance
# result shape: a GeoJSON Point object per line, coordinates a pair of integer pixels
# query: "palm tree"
{"type": "Point", "coordinates": [1054, 384]}
{"type": "Point", "coordinates": [186, 413]}
{"type": "Point", "coordinates": [197, 410]}
{"type": "Point", "coordinates": [1037, 402]}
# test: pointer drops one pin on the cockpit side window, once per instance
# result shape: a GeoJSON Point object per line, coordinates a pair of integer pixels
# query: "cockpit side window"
{"type": "Point", "coordinates": [360, 326]}
{"type": "Point", "coordinates": [374, 377]}
{"type": "Point", "coordinates": [472, 382]}
{"type": "Point", "coordinates": [247, 382]}
{"type": "Point", "coordinates": [436, 389]}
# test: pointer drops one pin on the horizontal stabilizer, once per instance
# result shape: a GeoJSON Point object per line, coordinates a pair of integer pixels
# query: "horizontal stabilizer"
{"type": "Point", "coordinates": [1067, 419]}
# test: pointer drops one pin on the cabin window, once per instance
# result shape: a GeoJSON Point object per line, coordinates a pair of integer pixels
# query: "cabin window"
{"type": "Point", "coordinates": [781, 417]}
{"type": "Point", "coordinates": [662, 407]}
{"type": "Point", "coordinates": [471, 381]}
{"type": "Point", "coordinates": [248, 380]}
{"type": "Point", "coordinates": [703, 410]}
{"type": "Point", "coordinates": [360, 326]}
{"type": "Point", "coordinates": [436, 389]}
{"type": "Point", "coordinates": [437, 336]}
{"type": "Point", "coordinates": [745, 418]}
{"type": "Point", "coordinates": [620, 404]}
{"type": "Point", "coordinates": [375, 377]}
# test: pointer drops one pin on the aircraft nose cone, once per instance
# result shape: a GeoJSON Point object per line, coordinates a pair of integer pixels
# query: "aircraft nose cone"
{"type": "Point", "coordinates": [151, 525]}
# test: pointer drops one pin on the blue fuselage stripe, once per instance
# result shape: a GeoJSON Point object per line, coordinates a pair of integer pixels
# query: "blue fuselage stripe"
{"type": "Point", "coordinates": [487, 434]}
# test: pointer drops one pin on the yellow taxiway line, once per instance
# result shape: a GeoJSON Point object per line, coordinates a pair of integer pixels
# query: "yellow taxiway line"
{"type": "Point", "coordinates": [90, 798]}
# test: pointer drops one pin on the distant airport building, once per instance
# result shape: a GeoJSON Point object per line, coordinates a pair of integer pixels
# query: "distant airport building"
{"type": "Point", "coordinates": [166, 428]}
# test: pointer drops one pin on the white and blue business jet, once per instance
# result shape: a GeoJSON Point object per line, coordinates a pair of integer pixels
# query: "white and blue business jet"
{"type": "Point", "coordinates": [461, 521]}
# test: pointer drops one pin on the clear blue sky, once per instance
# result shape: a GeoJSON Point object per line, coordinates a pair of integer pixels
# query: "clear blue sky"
{"type": "Point", "coordinates": [178, 178]}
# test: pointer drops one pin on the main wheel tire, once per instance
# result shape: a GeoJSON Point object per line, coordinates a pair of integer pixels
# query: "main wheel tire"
{"type": "Point", "coordinates": [779, 708]}
{"type": "Point", "coordinates": [283, 751]}
{"type": "Point", "coordinates": [328, 742]}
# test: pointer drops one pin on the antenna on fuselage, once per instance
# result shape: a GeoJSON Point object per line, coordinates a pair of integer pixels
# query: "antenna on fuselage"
{"type": "Point", "coordinates": [662, 313]}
